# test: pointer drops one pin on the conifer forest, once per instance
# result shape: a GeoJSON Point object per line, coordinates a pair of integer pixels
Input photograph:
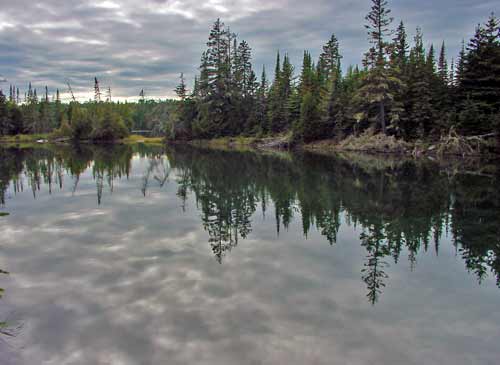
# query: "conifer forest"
{"type": "Point", "coordinates": [403, 88]}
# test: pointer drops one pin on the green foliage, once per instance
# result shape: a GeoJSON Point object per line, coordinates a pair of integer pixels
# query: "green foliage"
{"type": "Point", "coordinates": [479, 86]}
{"type": "Point", "coordinates": [400, 92]}
{"type": "Point", "coordinates": [109, 127]}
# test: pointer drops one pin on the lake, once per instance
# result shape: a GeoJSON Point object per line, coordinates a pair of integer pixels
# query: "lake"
{"type": "Point", "coordinates": [178, 255]}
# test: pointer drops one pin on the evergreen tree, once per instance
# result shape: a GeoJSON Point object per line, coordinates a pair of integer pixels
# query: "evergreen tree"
{"type": "Point", "coordinates": [4, 115]}
{"type": "Point", "coordinates": [97, 91]}
{"type": "Point", "coordinates": [443, 66]}
{"type": "Point", "coordinates": [379, 85]}
{"type": "Point", "coordinates": [261, 98]}
{"type": "Point", "coordinates": [329, 61]}
{"type": "Point", "coordinates": [181, 89]}
{"type": "Point", "coordinates": [278, 95]}
{"type": "Point", "coordinates": [399, 49]}
{"type": "Point", "coordinates": [480, 80]}
{"type": "Point", "coordinates": [58, 111]}
{"type": "Point", "coordinates": [43, 124]}
{"type": "Point", "coordinates": [419, 109]}
{"type": "Point", "coordinates": [308, 127]}
{"type": "Point", "coordinates": [442, 92]}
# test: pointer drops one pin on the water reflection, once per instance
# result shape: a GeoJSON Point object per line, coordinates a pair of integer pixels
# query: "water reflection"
{"type": "Point", "coordinates": [401, 205]}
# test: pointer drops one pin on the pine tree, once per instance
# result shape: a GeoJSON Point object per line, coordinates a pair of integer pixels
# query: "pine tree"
{"type": "Point", "coordinates": [460, 67]}
{"type": "Point", "coordinates": [217, 58]}
{"type": "Point", "coordinates": [336, 107]}
{"type": "Point", "coordinates": [308, 127]}
{"type": "Point", "coordinates": [379, 84]}
{"type": "Point", "coordinates": [244, 56]}
{"type": "Point", "coordinates": [108, 95]}
{"type": "Point", "coordinates": [31, 117]}
{"type": "Point", "coordinates": [203, 82]}
{"type": "Point", "coordinates": [443, 66]}
{"type": "Point", "coordinates": [4, 115]}
{"type": "Point", "coordinates": [261, 104]}
{"type": "Point", "coordinates": [480, 80]}
{"type": "Point", "coordinates": [399, 49]}
{"type": "Point", "coordinates": [442, 92]}
{"type": "Point", "coordinates": [97, 91]}
{"type": "Point", "coordinates": [216, 115]}
{"type": "Point", "coordinates": [378, 20]}
{"type": "Point", "coordinates": [58, 111]}
{"type": "Point", "coordinates": [181, 89]}
{"type": "Point", "coordinates": [328, 61]}
{"type": "Point", "coordinates": [278, 95]}
{"type": "Point", "coordinates": [419, 109]}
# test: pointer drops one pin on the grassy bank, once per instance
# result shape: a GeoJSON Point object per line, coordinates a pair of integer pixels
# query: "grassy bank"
{"type": "Point", "coordinates": [134, 138]}
{"type": "Point", "coordinates": [26, 140]}
{"type": "Point", "coordinates": [226, 143]}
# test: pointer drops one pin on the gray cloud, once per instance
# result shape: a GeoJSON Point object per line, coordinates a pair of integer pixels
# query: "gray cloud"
{"type": "Point", "coordinates": [132, 45]}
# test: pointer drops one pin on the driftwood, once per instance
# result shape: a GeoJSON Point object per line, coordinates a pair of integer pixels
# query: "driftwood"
{"type": "Point", "coordinates": [453, 143]}
{"type": "Point", "coordinates": [281, 143]}
{"type": "Point", "coordinates": [482, 136]}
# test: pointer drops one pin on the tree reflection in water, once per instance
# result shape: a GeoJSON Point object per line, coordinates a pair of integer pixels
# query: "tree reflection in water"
{"type": "Point", "coordinates": [399, 205]}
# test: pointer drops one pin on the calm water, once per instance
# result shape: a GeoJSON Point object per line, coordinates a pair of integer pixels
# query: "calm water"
{"type": "Point", "coordinates": [183, 256]}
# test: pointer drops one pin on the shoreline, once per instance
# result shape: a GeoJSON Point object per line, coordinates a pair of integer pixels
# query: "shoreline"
{"type": "Point", "coordinates": [27, 140]}
{"type": "Point", "coordinates": [374, 145]}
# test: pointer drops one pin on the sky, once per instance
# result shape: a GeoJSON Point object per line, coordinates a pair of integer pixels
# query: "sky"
{"type": "Point", "coordinates": [132, 45]}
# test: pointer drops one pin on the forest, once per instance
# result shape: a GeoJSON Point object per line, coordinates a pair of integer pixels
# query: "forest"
{"type": "Point", "coordinates": [93, 120]}
{"type": "Point", "coordinates": [402, 89]}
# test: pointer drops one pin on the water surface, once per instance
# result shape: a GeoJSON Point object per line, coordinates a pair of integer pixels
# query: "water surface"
{"type": "Point", "coordinates": [121, 255]}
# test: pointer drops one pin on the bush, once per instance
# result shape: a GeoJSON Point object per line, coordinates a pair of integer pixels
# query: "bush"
{"type": "Point", "coordinates": [109, 127]}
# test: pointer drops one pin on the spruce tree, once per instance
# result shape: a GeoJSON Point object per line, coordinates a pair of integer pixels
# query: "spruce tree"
{"type": "Point", "coordinates": [181, 89]}
{"type": "Point", "coordinates": [399, 49]}
{"type": "Point", "coordinates": [329, 60]}
{"type": "Point", "coordinates": [4, 115]}
{"type": "Point", "coordinates": [262, 93]}
{"type": "Point", "coordinates": [443, 71]}
{"type": "Point", "coordinates": [308, 127]}
{"type": "Point", "coordinates": [442, 92]}
{"type": "Point", "coordinates": [58, 110]}
{"type": "Point", "coordinates": [480, 81]}
{"type": "Point", "coordinates": [379, 85]}
{"type": "Point", "coordinates": [279, 94]}
{"type": "Point", "coordinates": [419, 109]}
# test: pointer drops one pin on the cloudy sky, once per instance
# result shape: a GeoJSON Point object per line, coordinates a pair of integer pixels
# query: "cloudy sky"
{"type": "Point", "coordinates": [132, 45]}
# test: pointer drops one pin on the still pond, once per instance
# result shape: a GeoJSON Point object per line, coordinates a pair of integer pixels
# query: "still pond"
{"type": "Point", "coordinates": [177, 255]}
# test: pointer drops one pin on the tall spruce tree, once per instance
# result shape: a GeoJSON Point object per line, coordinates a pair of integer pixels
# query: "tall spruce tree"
{"type": "Point", "coordinates": [4, 115]}
{"type": "Point", "coordinates": [261, 107]}
{"type": "Point", "coordinates": [279, 94]}
{"type": "Point", "coordinates": [419, 109]}
{"type": "Point", "coordinates": [480, 80]}
{"type": "Point", "coordinates": [380, 84]}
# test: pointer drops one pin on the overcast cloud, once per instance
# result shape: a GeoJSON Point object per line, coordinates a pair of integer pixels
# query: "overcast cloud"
{"type": "Point", "coordinates": [131, 45]}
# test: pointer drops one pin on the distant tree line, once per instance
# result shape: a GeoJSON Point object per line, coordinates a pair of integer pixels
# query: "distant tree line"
{"type": "Point", "coordinates": [96, 119]}
{"type": "Point", "coordinates": [403, 90]}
